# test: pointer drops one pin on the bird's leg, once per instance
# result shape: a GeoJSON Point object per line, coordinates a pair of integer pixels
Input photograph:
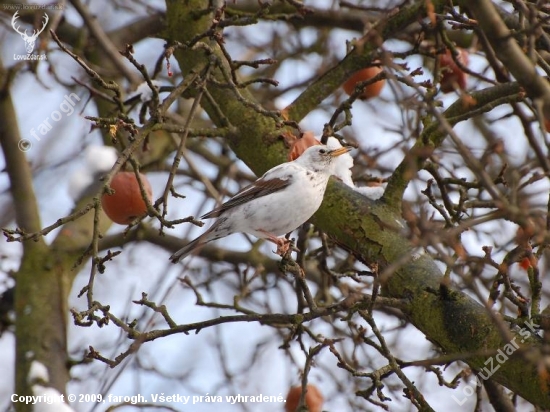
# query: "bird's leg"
{"type": "Point", "coordinates": [283, 244]}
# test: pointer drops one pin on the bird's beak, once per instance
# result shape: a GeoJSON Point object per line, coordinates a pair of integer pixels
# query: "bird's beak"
{"type": "Point", "coordinates": [340, 151]}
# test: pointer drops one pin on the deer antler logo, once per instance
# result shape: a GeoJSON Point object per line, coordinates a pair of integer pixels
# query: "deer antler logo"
{"type": "Point", "coordinates": [29, 40]}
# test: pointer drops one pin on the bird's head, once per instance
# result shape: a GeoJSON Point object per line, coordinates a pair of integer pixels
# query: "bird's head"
{"type": "Point", "coordinates": [320, 156]}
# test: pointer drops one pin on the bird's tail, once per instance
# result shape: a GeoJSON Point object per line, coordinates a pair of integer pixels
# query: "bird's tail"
{"type": "Point", "coordinates": [184, 251]}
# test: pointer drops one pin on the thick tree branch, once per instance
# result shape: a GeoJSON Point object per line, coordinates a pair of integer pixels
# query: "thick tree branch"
{"type": "Point", "coordinates": [19, 171]}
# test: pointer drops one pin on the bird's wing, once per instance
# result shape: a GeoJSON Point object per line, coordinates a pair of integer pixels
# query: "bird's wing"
{"type": "Point", "coordinates": [267, 184]}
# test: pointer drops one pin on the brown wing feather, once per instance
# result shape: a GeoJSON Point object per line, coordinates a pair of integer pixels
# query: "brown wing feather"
{"type": "Point", "coordinates": [259, 188]}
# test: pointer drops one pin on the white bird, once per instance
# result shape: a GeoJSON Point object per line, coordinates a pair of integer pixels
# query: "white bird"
{"type": "Point", "coordinates": [285, 197]}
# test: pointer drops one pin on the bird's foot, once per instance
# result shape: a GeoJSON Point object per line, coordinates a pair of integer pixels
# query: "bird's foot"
{"type": "Point", "coordinates": [285, 247]}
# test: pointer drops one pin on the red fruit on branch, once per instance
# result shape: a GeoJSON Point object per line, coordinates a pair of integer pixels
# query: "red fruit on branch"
{"type": "Point", "coordinates": [314, 399]}
{"type": "Point", "coordinates": [300, 145]}
{"type": "Point", "coordinates": [126, 204]}
{"type": "Point", "coordinates": [372, 90]}
{"type": "Point", "coordinates": [452, 76]}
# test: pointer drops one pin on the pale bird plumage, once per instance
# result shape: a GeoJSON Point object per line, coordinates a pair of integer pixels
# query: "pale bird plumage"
{"type": "Point", "coordinates": [284, 198]}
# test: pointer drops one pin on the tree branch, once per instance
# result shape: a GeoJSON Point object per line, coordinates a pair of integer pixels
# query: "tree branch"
{"type": "Point", "coordinates": [509, 52]}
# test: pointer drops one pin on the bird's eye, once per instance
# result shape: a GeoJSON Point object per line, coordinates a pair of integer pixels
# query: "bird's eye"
{"type": "Point", "coordinates": [322, 151]}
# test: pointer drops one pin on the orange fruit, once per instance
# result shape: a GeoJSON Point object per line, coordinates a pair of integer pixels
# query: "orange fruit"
{"type": "Point", "coordinates": [314, 399]}
{"type": "Point", "coordinates": [372, 90]}
{"type": "Point", "coordinates": [452, 76]}
{"type": "Point", "coordinates": [126, 204]}
{"type": "Point", "coordinates": [300, 145]}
